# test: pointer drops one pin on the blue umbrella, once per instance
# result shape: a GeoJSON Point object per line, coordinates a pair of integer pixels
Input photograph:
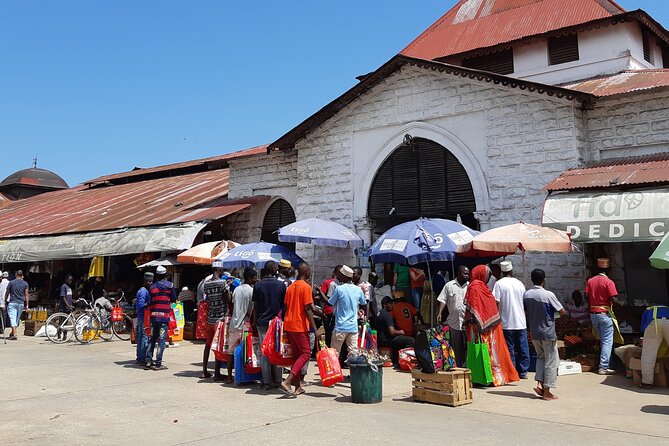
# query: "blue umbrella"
{"type": "Point", "coordinates": [320, 232]}
{"type": "Point", "coordinates": [255, 255]}
{"type": "Point", "coordinates": [422, 240]}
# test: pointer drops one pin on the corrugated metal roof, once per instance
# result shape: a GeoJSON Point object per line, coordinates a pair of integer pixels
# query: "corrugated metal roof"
{"type": "Point", "coordinates": [4, 201]}
{"type": "Point", "coordinates": [194, 197]}
{"type": "Point", "coordinates": [203, 164]}
{"type": "Point", "coordinates": [626, 82]}
{"type": "Point", "coordinates": [475, 24]}
{"type": "Point", "coordinates": [618, 172]}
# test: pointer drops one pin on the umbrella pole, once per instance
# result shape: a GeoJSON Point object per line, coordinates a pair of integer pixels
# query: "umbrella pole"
{"type": "Point", "coordinates": [313, 263]}
{"type": "Point", "coordinates": [524, 268]}
{"type": "Point", "coordinates": [429, 275]}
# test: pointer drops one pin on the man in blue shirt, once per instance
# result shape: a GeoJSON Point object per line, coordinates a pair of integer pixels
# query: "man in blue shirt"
{"type": "Point", "coordinates": [142, 300]}
{"type": "Point", "coordinates": [66, 294]}
{"type": "Point", "coordinates": [346, 300]}
{"type": "Point", "coordinates": [17, 297]}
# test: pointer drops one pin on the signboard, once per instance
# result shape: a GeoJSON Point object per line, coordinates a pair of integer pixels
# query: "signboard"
{"type": "Point", "coordinates": [610, 217]}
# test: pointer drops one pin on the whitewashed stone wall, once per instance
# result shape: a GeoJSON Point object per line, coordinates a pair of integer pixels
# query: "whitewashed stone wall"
{"type": "Point", "coordinates": [273, 175]}
{"type": "Point", "coordinates": [629, 126]}
{"type": "Point", "coordinates": [529, 140]}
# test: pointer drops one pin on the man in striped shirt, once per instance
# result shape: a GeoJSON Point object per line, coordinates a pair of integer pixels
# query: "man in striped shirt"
{"type": "Point", "coordinates": [162, 294]}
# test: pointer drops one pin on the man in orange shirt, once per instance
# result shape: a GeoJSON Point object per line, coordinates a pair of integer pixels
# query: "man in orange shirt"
{"type": "Point", "coordinates": [405, 316]}
{"type": "Point", "coordinates": [299, 317]}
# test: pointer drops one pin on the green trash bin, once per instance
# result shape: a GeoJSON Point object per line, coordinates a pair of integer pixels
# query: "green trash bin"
{"type": "Point", "coordinates": [366, 384]}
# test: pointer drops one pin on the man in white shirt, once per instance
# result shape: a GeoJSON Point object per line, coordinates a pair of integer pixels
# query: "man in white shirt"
{"type": "Point", "coordinates": [3, 288]}
{"type": "Point", "coordinates": [508, 292]}
{"type": "Point", "coordinates": [453, 297]}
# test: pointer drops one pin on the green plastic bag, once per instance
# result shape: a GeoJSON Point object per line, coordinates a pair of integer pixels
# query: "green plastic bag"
{"type": "Point", "coordinates": [478, 361]}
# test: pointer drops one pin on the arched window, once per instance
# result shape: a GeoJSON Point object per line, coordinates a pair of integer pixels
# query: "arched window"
{"type": "Point", "coordinates": [421, 179]}
{"type": "Point", "coordinates": [279, 214]}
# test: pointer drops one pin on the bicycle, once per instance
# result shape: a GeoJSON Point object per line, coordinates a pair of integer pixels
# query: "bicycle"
{"type": "Point", "coordinates": [97, 322]}
{"type": "Point", "coordinates": [123, 327]}
{"type": "Point", "coordinates": [60, 326]}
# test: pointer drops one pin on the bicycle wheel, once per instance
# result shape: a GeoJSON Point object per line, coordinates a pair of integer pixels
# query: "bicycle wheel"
{"type": "Point", "coordinates": [123, 328]}
{"type": "Point", "coordinates": [106, 329]}
{"type": "Point", "coordinates": [86, 328]}
{"type": "Point", "coordinates": [59, 328]}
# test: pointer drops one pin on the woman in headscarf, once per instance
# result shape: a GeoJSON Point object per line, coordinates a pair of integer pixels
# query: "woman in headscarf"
{"type": "Point", "coordinates": [482, 319]}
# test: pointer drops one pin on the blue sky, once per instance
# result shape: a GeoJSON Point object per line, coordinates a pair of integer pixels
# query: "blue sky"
{"type": "Point", "coordinates": [97, 87]}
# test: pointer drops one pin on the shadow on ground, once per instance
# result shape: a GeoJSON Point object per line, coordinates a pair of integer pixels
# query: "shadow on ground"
{"type": "Point", "coordinates": [660, 410]}
{"type": "Point", "coordinates": [516, 394]}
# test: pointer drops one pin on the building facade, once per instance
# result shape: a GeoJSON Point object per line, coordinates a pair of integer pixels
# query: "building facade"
{"type": "Point", "coordinates": [433, 134]}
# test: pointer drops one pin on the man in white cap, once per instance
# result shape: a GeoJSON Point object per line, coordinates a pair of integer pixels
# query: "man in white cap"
{"type": "Point", "coordinates": [162, 295]}
{"type": "Point", "coordinates": [509, 292]}
{"type": "Point", "coordinates": [284, 271]}
{"type": "Point", "coordinates": [346, 300]}
{"type": "Point", "coordinates": [217, 294]}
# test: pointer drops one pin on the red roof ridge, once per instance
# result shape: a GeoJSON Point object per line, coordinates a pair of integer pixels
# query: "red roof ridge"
{"type": "Point", "coordinates": [489, 23]}
{"type": "Point", "coordinates": [257, 150]}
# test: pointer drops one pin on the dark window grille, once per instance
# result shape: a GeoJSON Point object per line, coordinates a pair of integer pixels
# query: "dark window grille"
{"type": "Point", "coordinates": [500, 62]}
{"type": "Point", "coordinates": [422, 179]}
{"type": "Point", "coordinates": [279, 214]}
{"type": "Point", "coordinates": [645, 39]}
{"type": "Point", "coordinates": [665, 57]}
{"type": "Point", "coordinates": [563, 49]}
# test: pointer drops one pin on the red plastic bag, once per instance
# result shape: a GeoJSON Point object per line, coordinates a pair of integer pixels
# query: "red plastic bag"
{"type": "Point", "coordinates": [328, 366]}
{"type": "Point", "coordinates": [117, 314]}
{"type": "Point", "coordinates": [407, 359]}
{"type": "Point", "coordinates": [252, 355]}
{"type": "Point", "coordinates": [147, 322]}
{"type": "Point", "coordinates": [218, 342]}
{"type": "Point", "coordinates": [201, 324]}
{"type": "Point", "coordinates": [271, 346]}
{"type": "Point", "coordinates": [172, 324]}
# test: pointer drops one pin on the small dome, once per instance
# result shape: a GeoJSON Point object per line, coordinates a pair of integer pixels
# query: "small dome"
{"type": "Point", "coordinates": [35, 177]}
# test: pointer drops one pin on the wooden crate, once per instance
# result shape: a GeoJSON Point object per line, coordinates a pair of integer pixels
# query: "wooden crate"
{"type": "Point", "coordinates": [452, 388]}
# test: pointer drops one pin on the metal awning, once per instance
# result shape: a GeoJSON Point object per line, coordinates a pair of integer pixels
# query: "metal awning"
{"type": "Point", "coordinates": [610, 216]}
{"type": "Point", "coordinates": [175, 237]}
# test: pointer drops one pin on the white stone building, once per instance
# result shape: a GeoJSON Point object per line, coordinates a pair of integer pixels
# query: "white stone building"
{"type": "Point", "coordinates": [498, 99]}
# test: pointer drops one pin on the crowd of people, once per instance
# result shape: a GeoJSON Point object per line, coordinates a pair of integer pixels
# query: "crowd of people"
{"type": "Point", "coordinates": [485, 305]}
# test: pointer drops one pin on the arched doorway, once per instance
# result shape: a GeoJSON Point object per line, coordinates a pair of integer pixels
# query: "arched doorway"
{"type": "Point", "coordinates": [279, 214]}
{"type": "Point", "coordinates": [421, 178]}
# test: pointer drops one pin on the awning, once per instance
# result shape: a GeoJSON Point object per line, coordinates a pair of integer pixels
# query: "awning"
{"type": "Point", "coordinates": [103, 243]}
{"type": "Point", "coordinates": [610, 216]}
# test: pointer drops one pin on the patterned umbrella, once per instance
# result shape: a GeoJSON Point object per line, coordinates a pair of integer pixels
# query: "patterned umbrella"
{"type": "Point", "coordinates": [255, 255]}
{"type": "Point", "coordinates": [205, 253]}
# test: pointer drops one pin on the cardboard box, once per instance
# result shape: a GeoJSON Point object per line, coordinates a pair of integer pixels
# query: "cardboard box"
{"type": "Point", "coordinates": [32, 327]}
{"type": "Point", "coordinates": [189, 331]}
{"type": "Point", "coordinates": [589, 363]}
{"type": "Point", "coordinates": [659, 375]}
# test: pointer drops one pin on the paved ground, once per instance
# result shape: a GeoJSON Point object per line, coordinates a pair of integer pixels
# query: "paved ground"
{"type": "Point", "coordinates": [83, 394]}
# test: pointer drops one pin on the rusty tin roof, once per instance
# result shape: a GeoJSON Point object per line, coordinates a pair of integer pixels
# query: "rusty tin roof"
{"type": "Point", "coordinates": [630, 81]}
{"type": "Point", "coordinates": [193, 197]}
{"type": "Point", "coordinates": [617, 172]}
{"type": "Point", "coordinates": [476, 24]}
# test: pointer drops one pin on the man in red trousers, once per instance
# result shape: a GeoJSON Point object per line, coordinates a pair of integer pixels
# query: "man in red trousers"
{"type": "Point", "coordinates": [299, 317]}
